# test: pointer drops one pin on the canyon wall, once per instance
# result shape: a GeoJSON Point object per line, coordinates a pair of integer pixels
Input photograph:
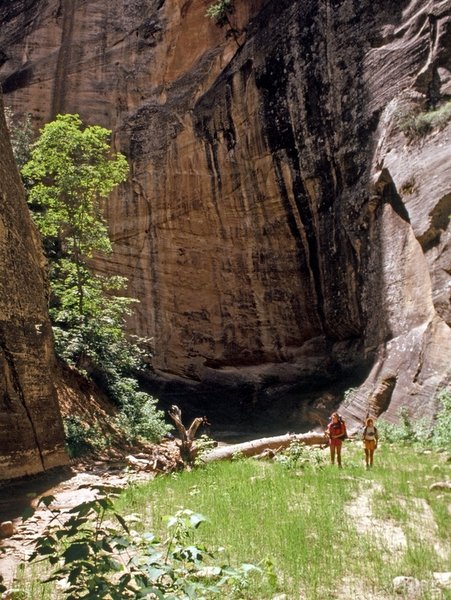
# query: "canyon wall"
{"type": "Point", "coordinates": [31, 432]}
{"type": "Point", "coordinates": [284, 237]}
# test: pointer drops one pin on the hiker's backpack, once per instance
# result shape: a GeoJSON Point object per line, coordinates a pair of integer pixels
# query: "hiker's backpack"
{"type": "Point", "coordinates": [343, 422]}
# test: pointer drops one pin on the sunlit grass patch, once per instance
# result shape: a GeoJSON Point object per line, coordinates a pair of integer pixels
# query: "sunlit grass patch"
{"type": "Point", "coordinates": [30, 580]}
{"type": "Point", "coordinates": [314, 530]}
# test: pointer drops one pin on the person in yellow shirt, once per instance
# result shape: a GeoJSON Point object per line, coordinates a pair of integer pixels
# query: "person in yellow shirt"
{"type": "Point", "coordinates": [370, 440]}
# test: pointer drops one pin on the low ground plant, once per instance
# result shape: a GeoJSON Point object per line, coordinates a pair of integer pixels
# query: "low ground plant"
{"type": "Point", "coordinates": [406, 431]}
{"type": "Point", "coordinates": [97, 553]}
{"type": "Point", "coordinates": [82, 438]}
{"type": "Point", "coordinates": [299, 456]}
{"type": "Point", "coordinates": [416, 125]}
{"type": "Point", "coordinates": [441, 435]}
{"type": "Point", "coordinates": [422, 433]}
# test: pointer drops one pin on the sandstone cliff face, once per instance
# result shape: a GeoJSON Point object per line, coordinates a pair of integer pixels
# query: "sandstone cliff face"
{"type": "Point", "coordinates": [31, 433]}
{"type": "Point", "coordinates": [279, 230]}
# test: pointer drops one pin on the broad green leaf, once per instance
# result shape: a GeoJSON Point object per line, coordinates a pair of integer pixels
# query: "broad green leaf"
{"type": "Point", "coordinates": [122, 521]}
{"type": "Point", "coordinates": [76, 551]}
{"type": "Point", "coordinates": [28, 513]}
{"type": "Point", "coordinates": [196, 519]}
{"type": "Point", "coordinates": [46, 500]}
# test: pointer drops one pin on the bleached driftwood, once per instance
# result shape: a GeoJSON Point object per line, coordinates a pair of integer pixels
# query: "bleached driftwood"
{"type": "Point", "coordinates": [187, 446]}
{"type": "Point", "coordinates": [255, 447]}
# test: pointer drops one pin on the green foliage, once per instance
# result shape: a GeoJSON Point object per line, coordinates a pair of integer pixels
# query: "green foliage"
{"type": "Point", "coordinates": [219, 11]}
{"type": "Point", "coordinates": [417, 125]}
{"type": "Point", "coordinates": [93, 557]}
{"type": "Point", "coordinates": [139, 417]}
{"type": "Point", "coordinates": [406, 431]}
{"type": "Point", "coordinates": [21, 134]}
{"type": "Point", "coordinates": [82, 438]}
{"type": "Point", "coordinates": [71, 170]}
{"type": "Point", "coordinates": [299, 456]}
{"type": "Point", "coordinates": [421, 432]}
{"type": "Point", "coordinates": [77, 436]}
{"type": "Point", "coordinates": [96, 343]}
{"type": "Point", "coordinates": [441, 437]}
{"type": "Point", "coordinates": [92, 336]}
{"type": "Point", "coordinates": [70, 174]}
{"type": "Point", "coordinates": [203, 445]}
{"type": "Point", "coordinates": [348, 395]}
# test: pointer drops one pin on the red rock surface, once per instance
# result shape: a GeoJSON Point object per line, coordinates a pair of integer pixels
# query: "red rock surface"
{"type": "Point", "coordinates": [31, 432]}
{"type": "Point", "coordinates": [279, 230]}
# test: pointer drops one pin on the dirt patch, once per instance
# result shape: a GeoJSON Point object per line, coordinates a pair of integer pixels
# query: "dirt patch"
{"type": "Point", "coordinates": [354, 588]}
{"type": "Point", "coordinates": [70, 486]}
{"type": "Point", "coordinates": [387, 535]}
{"type": "Point", "coordinates": [422, 520]}
{"type": "Point", "coordinates": [80, 397]}
{"type": "Point", "coordinates": [392, 540]}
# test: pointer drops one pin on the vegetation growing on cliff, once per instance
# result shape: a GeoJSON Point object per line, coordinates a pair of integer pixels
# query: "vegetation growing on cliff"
{"type": "Point", "coordinates": [220, 12]}
{"type": "Point", "coordinates": [416, 125]}
{"type": "Point", "coordinates": [70, 175]}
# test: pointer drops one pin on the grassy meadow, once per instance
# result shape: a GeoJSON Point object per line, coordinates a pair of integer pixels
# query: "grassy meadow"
{"type": "Point", "coordinates": [316, 532]}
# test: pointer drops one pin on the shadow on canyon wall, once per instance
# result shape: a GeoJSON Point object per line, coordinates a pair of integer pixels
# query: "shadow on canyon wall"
{"type": "Point", "coordinates": [313, 113]}
{"type": "Point", "coordinates": [264, 229]}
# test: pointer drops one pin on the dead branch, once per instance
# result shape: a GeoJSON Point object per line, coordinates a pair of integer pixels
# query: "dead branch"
{"type": "Point", "coordinates": [187, 445]}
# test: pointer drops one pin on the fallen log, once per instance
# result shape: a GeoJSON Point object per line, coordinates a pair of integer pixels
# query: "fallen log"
{"type": "Point", "coordinates": [255, 447]}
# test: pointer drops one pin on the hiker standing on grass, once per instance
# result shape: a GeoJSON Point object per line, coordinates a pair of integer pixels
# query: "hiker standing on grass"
{"type": "Point", "coordinates": [370, 439]}
{"type": "Point", "coordinates": [336, 432]}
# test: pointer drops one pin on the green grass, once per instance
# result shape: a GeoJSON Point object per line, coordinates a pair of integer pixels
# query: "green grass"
{"type": "Point", "coordinates": [253, 510]}
{"type": "Point", "coordinates": [29, 581]}
{"type": "Point", "coordinates": [295, 522]}
{"type": "Point", "coordinates": [295, 519]}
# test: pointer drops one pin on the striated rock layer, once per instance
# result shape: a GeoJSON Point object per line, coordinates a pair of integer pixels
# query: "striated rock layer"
{"type": "Point", "coordinates": [31, 432]}
{"type": "Point", "coordinates": [283, 236]}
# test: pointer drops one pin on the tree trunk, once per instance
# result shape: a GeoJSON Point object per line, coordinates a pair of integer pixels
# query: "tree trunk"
{"type": "Point", "coordinates": [258, 446]}
{"type": "Point", "coordinates": [188, 450]}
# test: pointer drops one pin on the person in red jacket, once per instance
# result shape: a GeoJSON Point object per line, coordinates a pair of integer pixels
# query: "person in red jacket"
{"type": "Point", "coordinates": [336, 432]}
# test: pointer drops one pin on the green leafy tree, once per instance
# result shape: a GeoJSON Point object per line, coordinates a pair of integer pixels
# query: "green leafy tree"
{"type": "Point", "coordinates": [71, 173]}
{"type": "Point", "coordinates": [71, 170]}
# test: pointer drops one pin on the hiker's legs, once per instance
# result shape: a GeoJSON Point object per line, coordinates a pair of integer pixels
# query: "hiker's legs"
{"type": "Point", "coordinates": [367, 457]}
{"type": "Point", "coordinates": [332, 453]}
{"type": "Point", "coordinates": [371, 456]}
{"type": "Point", "coordinates": [339, 455]}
